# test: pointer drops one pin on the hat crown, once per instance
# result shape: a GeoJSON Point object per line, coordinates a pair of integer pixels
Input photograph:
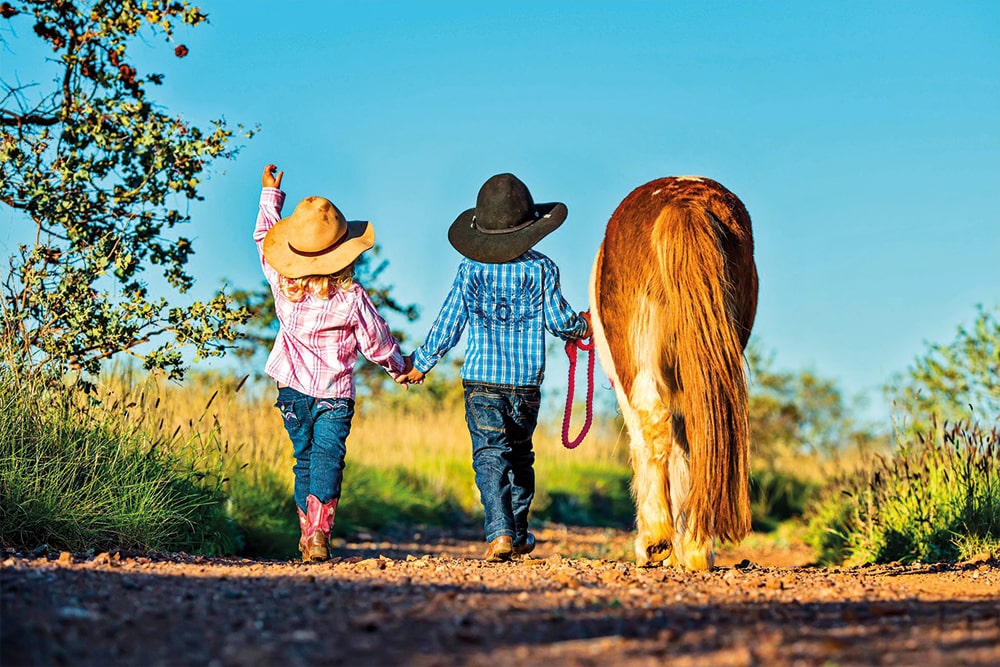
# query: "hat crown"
{"type": "Point", "coordinates": [504, 202]}
{"type": "Point", "coordinates": [315, 240]}
{"type": "Point", "coordinates": [318, 224]}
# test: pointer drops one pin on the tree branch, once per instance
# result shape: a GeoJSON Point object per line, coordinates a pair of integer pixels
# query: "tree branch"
{"type": "Point", "coordinates": [13, 120]}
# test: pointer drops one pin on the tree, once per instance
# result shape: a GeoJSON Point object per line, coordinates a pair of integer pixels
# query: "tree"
{"type": "Point", "coordinates": [792, 415]}
{"type": "Point", "coordinates": [948, 380]}
{"type": "Point", "coordinates": [258, 335]}
{"type": "Point", "coordinates": [103, 176]}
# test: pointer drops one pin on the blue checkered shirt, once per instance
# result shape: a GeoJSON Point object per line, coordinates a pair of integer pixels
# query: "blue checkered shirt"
{"type": "Point", "coordinates": [508, 307]}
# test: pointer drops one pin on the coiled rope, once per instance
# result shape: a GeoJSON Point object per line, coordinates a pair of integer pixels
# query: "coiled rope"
{"type": "Point", "coordinates": [587, 345]}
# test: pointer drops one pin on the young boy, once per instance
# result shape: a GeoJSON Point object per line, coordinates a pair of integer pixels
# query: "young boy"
{"type": "Point", "coordinates": [508, 295]}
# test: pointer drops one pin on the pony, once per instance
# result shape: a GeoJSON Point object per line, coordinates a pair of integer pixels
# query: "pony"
{"type": "Point", "coordinates": [673, 296]}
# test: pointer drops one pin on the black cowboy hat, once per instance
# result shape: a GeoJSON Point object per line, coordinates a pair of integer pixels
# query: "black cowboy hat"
{"type": "Point", "coordinates": [505, 223]}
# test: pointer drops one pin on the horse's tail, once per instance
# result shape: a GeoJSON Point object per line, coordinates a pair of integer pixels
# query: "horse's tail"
{"type": "Point", "coordinates": [707, 362]}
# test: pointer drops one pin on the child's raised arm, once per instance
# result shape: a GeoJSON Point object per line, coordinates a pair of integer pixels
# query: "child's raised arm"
{"type": "Point", "coordinates": [269, 179]}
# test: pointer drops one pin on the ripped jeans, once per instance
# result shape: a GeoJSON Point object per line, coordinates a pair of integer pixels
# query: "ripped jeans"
{"type": "Point", "coordinates": [502, 420]}
{"type": "Point", "coordinates": [318, 428]}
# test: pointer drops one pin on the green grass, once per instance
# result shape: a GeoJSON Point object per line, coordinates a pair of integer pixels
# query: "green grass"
{"type": "Point", "coordinates": [937, 498]}
{"type": "Point", "coordinates": [262, 506]}
{"type": "Point", "coordinates": [203, 468]}
{"type": "Point", "coordinates": [377, 498]}
{"type": "Point", "coordinates": [586, 495]}
{"type": "Point", "coordinates": [76, 475]}
{"type": "Point", "coordinates": [373, 499]}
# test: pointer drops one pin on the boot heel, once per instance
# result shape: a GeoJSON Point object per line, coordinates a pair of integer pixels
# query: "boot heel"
{"type": "Point", "coordinates": [316, 547]}
{"type": "Point", "coordinates": [317, 527]}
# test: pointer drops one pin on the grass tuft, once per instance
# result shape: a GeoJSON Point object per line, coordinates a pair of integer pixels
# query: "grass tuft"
{"type": "Point", "coordinates": [79, 474]}
{"type": "Point", "coordinates": [936, 499]}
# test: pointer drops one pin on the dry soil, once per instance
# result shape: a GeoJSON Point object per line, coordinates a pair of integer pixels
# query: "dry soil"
{"type": "Point", "coordinates": [426, 598]}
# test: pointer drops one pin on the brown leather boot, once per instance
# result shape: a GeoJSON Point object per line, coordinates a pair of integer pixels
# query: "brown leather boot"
{"type": "Point", "coordinates": [500, 549]}
{"type": "Point", "coordinates": [303, 528]}
{"type": "Point", "coordinates": [525, 547]}
{"type": "Point", "coordinates": [315, 541]}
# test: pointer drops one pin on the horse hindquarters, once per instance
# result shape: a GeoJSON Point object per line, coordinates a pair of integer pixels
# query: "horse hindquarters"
{"type": "Point", "coordinates": [673, 294]}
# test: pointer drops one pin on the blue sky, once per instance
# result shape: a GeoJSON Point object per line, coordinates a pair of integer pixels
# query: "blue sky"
{"type": "Point", "coordinates": [863, 137]}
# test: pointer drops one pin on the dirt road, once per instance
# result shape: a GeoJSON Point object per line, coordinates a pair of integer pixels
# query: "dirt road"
{"type": "Point", "coordinates": [427, 599]}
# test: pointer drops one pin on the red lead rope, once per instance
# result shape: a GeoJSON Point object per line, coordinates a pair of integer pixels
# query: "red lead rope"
{"type": "Point", "coordinates": [571, 348]}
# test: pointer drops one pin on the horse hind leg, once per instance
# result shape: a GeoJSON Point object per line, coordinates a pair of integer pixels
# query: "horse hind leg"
{"type": "Point", "coordinates": [689, 552]}
{"type": "Point", "coordinates": [649, 482]}
{"type": "Point", "coordinates": [648, 423]}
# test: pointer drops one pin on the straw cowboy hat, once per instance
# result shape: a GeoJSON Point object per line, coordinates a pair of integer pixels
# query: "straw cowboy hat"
{"type": "Point", "coordinates": [505, 223]}
{"type": "Point", "coordinates": [316, 240]}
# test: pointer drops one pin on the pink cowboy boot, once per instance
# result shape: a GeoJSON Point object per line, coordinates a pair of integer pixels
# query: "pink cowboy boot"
{"type": "Point", "coordinates": [315, 541]}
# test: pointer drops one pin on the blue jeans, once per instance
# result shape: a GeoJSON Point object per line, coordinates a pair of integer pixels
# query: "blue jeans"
{"type": "Point", "coordinates": [501, 421]}
{"type": "Point", "coordinates": [318, 428]}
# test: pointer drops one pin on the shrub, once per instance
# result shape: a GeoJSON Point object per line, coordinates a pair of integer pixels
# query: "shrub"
{"type": "Point", "coordinates": [950, 376]}
{"type": "Point", "coordinates": [936, 499]}
{"type": "Point", "coordinates": [777, 496]}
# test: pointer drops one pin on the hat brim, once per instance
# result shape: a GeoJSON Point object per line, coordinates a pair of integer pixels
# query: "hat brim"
{"type": "Point", "coordinates": [291, 264]}
{"type": "Point", "coordinates": [467, 239]}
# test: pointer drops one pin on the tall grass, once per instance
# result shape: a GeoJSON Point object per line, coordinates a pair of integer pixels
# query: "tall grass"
{"type": "Point", "coordinates": [409, 461]}
{"type": "Point", "coordinates": [409, 458]}
{"type": "Point", "coordinates": [937, 498]}
{"type": "Point", "coordinates": [77, 473]}
{"type": "Point", "coordinates": [418, 435]}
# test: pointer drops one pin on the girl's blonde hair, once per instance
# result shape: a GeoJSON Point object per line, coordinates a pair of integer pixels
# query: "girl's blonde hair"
{"type": "Point", "coordinates": [321, 287]}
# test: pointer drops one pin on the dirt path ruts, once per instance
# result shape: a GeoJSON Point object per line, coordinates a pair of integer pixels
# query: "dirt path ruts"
{"type": "Point", "coordinates": [429, 600]}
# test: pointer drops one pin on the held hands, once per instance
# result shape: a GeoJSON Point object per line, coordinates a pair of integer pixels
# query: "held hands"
{"type": "Point", "coordinates": [400, 377]}
{"type": "Point", "coordinates": [269, 179]}
{"type": "Point", "coordinates": [415, 376]}
{"type": "Point", "coordinates": [410, 375]}
{"type": "Point", "coordinates": [590, 328]}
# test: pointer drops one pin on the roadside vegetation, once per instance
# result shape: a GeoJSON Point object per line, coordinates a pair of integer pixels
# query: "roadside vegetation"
{"type": "Point", "coordinates": [215, 436]}
{"type": "Point", "coordinates": [142, 462]}
{"type": "Point", "coordinates": [82, 475]}
{"type": "Point", "coordinates": [935, 496]}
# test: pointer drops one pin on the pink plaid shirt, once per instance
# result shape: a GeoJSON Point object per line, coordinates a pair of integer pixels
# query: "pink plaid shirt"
{"type": "Point", "coordinates": [318, 341]}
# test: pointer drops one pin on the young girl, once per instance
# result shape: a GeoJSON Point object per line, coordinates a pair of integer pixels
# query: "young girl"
{"type": "Point", "coordinates": [325, 320]}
